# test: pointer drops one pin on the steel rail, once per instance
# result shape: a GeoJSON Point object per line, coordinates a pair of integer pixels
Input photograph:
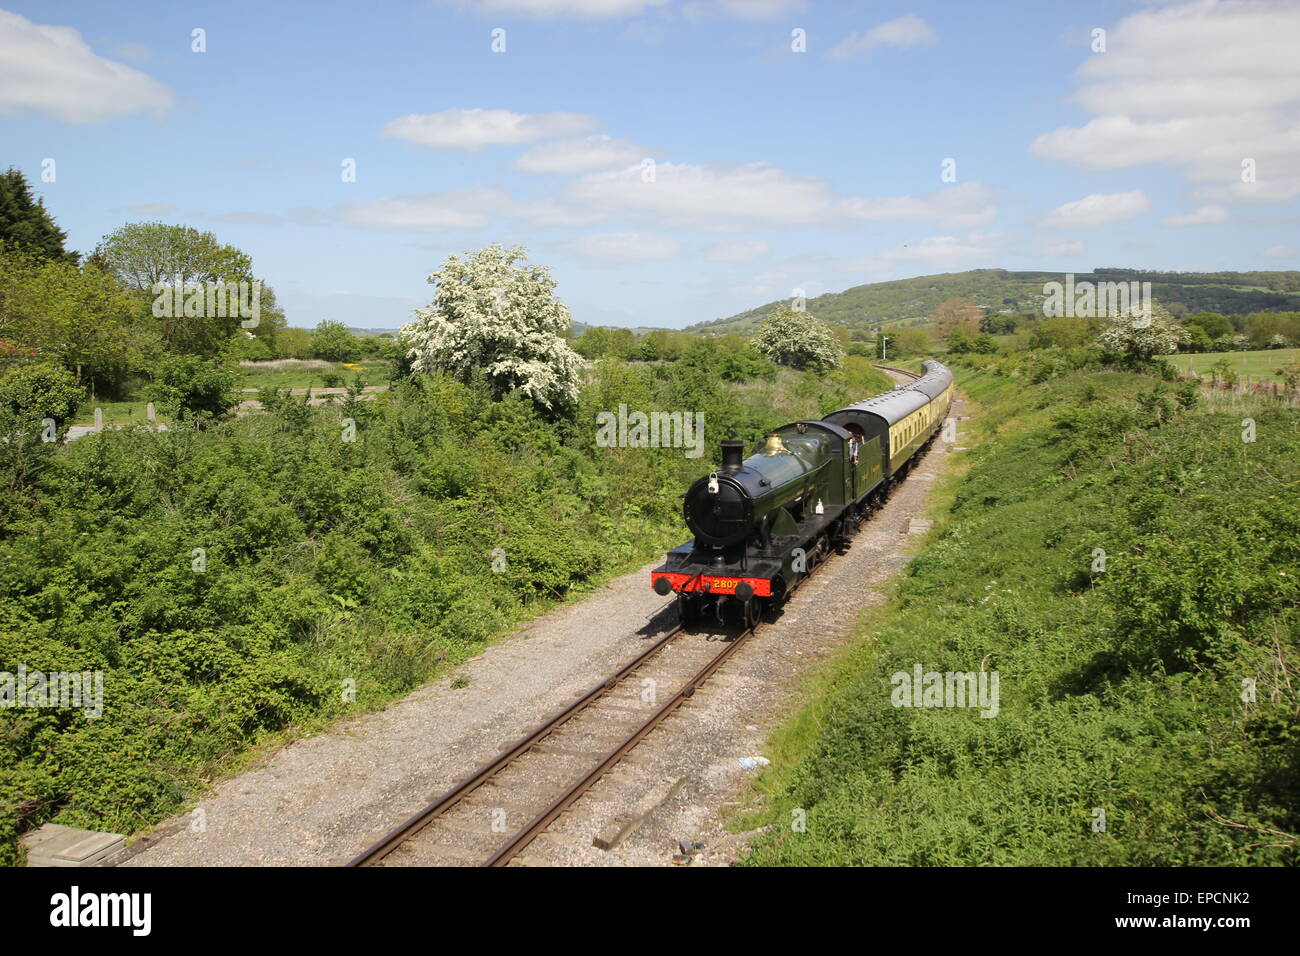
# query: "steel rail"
{"type": "Point", "coordinates": [405, 830]}
{"type": "Point", "coordinates": [539, 823]}
{"type": "Point", "coordinates": [900, 371]}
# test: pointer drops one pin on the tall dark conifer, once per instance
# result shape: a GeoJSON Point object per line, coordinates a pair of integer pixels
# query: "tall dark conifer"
{"type": "Point", "coordinates": [24, 222]}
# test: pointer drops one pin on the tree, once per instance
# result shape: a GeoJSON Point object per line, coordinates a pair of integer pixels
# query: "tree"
{"type": "Point", "coordinates": [144, 254]}
{"type": "Point", "coordinates": [998, 324]}
{"type": "Point", "coordinates": [798, 340]}
{"type": "Point", "coordinates": [593, 343]}
{"type": "Point", "coordinates": [24, 222]}
{"type": "Point", "coordinates": [1260, 327]}
{"type": "Point", "coordinates": [333, 342]}
{"type": "Point", "coordinates": [1140, 338]}
{"type": "Point", "coordinates": [491, 316]}
{"type": "Point", "coordinates": [41, 390]}
{"type": "Point", "coordinates": [908, 340]}
{"type": "Point", "coordinates": [955, 314]}
{"type": "Point", "coordinates": [79, 317]}
{"type": "Point", "coordinates": [191, 388]}
{"type": "Point", "coordinates": [1214, 324]}
{"type": "Point", "coordinates": [1197, 339]}
{"type": "Point", "coordinates": [293, 343]}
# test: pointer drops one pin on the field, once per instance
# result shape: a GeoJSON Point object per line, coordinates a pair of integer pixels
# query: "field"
{"type": "Point", "coordinates": [308, 373]}
{"type": "Point", "coordinates": [1260, 364]}
{"type": "Point", "coordinates": [282, 373]}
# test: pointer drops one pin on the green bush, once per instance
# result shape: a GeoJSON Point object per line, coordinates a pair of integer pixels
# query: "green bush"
{"type": "Point", "coordinates": [41, 390]}
{"type": "Point", "coordinates": [195, 389]}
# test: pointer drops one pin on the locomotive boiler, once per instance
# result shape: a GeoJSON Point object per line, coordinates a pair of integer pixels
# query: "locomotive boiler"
{"type": "Point", "coordinates": [763, 522]}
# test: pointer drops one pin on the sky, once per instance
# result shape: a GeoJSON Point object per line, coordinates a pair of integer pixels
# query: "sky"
{"type": "Point", "coordinates": [671, 161]}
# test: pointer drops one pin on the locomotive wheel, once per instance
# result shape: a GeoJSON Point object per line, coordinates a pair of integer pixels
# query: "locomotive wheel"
{"type": "Point", "coordinates": [750, 612]}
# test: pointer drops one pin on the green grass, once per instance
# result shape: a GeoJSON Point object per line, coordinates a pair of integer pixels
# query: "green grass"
{"type": "Point", "coordinates": [1262, 364]}
{"type": "Point", "coordinates": [116, 413]}
{"type": "Point", "coordinates": [1120, 690]}
{"type": "Point", "coordinates": [374, 372]}
{"type": "Point", "coordinates": [131, 411]}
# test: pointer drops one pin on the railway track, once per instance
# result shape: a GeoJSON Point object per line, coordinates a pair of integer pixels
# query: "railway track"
{"type": "Point", "coordinates": [594, 730]}
{"type": "Point", "coordinates": [900, 371]}
{"type": "Point", "coordinates": [597, 730]}
{"type": "Point", "coordinates": [466, 798]}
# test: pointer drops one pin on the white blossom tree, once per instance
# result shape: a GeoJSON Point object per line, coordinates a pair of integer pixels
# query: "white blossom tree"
{"type": "Point", "coordinates": [794, 338]}
{"type": "Point", "coordinates": [492, 315]}
{"type": "Point", "coordinates": [1141, 337]}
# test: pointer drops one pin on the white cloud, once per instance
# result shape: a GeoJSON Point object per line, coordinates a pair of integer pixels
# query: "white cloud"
{"type": "Point", "coordinates": [713, 198]}
{"type": "Point", "coordinates": [1200, 86]}
{"type": "Point", "coordinates": [585, 155]}
{"type": "Point", "coordinates": [51, 69]}
{"type": "Point", "coordinates": [964, 206]}
{"type": "Point", "coordinates": [477, 128]}
{"type": "Point", "coordinates": [947, 253]}
{"type": "Point", "coordinates": [732, 197]}
{"type": "Point", "coordinates": [1201, 216]}
{"type": "Point", "coordinates": [1071, 247]}
{"type": "Point", "coordinates": [623, 248]}
{"type": "Point", "coordinates": [1281, 252]}
{"type": "Point", "coordinates": [1096, 210]}
{"type": "Point", "coordinates": [741, 250]}
{"type": "Point", "coordinates": [135, 52]}
{"type": "Point", "coordinates": [906, 31]}
{"type": "Point", "coordinates": [450, 210]}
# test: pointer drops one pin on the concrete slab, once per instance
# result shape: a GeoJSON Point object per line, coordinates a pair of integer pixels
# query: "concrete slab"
{"type": "Point", "coordinates": [54, 845]}
{"type": "Point", "coordinates": [919, 526]}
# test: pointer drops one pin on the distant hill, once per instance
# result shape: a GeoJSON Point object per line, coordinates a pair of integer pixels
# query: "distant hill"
{"type": "Point", "coordinates": [909, 300]}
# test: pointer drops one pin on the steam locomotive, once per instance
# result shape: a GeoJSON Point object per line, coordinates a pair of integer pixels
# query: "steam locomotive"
{"type": "Point", "coordinates": [763, 523]}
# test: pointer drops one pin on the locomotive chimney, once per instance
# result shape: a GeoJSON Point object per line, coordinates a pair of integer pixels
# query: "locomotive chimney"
{"type": "Point", "coordinates": [732, 452]}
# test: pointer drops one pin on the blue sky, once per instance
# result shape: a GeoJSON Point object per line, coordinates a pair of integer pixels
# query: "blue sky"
{"type": "Point", "coordinates": [772, 169]}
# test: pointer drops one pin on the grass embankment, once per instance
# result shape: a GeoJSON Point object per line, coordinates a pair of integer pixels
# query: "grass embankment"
{"type": "Point", "coordinates": [1264, 363]}
{"type": "Point", "coordinates": [259, 578]}
{"type": "Point", "coordinates": [1122, 736]}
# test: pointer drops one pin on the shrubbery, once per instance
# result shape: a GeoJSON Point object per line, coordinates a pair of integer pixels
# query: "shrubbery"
{"type": "Point", "coordinates": [195, 389]}
{"type": "Point", "coordinates": [1130, 567]}
{"type": "Point", "coordinates": [323, 560]}
{"type": "Point", "coordinates": [41, 390]}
